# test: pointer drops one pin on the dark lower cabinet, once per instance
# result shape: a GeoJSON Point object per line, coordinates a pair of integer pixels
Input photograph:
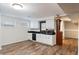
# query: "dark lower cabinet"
{"type": "Point", "coordinates": [34, 36]}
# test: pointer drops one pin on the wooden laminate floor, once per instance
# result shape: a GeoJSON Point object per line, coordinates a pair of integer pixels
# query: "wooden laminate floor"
{"type": "Point", "coordinates": [69, 47]}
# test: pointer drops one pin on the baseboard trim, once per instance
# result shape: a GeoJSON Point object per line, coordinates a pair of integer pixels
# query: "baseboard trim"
{"type": "Point", "coordinates": [70, 38]}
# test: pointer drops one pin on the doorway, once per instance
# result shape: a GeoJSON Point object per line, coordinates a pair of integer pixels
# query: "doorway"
{"type": "Point", "coordinates": [70, 36]}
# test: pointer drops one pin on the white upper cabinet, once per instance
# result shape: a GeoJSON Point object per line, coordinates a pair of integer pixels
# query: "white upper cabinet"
{"type": "Point", "coordinates": [34, 24]}
{"type": "Point", "coordinates": [50, 24]}
{"type": "Point", "coordinates": [43, 26]}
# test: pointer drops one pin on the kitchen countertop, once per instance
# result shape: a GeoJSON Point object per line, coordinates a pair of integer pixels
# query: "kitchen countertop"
{"type": "Point", "coordinates": [51, 32]}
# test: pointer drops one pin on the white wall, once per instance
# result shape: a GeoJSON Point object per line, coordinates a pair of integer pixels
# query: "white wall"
{"type": "Point", "coordinates": [78, 37]}
{"type": "Point", "coordinates": [50, 24]}
{"type": "Point", "coordinates": [0, 31]}
{"type": "Point", "coordinates": [13, 34]}
{"type": "Point", "coordinates": [71, 30]}
{"type": "Point", "coordinates": [78, 30]}
{"type": "Point", "coordinates": [34, 25]}
{"type": "Point", "coordinates": [62, 28]}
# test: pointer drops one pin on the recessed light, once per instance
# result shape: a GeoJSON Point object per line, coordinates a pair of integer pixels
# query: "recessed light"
{"type": "Point", "coordinates": [17, 6]}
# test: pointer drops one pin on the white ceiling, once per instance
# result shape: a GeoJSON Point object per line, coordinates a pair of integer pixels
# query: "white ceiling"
{"type": "Point", "coordinates": [32, 10]}
{"type": "Point", "coordinates": [42, 10]}
{"type": "Point", "coordinates": [72, 10]}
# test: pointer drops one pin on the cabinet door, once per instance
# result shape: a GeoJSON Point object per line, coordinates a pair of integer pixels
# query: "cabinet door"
{"type": "Point", "coordinates": [43, 26]}
{"type": "Point", "coordinates": [50, 24]}
{"type": "Point", "coordinates": [54, 39]}
{"type": "Point", "coordinates": [34, 24]}
{"type": "Point", "coordinates": [48, 39]}
{"type": "Point", "coordinates": [43, 38]}
{"type": "Point", "coordinates": [38, 37]}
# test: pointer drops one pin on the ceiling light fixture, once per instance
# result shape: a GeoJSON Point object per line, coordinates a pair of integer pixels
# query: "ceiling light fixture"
{"type": "Point", "coordinates": [17, 6]}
